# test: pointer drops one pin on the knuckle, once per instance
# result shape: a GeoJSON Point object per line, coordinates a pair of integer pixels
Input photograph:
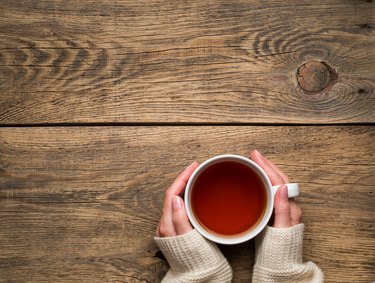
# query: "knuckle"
{"type": "Point", "coordinates": [170, 192]}
{"type": "Point", "coordinates": [177, 218]}
{"type": "Point", "coordinates": [164, 231]}
{"type": "Point", "coordinates": [167, 192]}
{"type": "Point", "coordinates": [299, 213]}
{"type": "Point", "coordinates": [282, 209]}
{"type": "Point", "coordinates": [278, 180]}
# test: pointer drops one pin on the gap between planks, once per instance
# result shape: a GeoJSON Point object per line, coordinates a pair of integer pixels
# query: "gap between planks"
{"type": "Point", "coordinates": [179, 124]}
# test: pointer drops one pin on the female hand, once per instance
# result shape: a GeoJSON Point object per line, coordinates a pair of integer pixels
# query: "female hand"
{"type": "Point", "coordinates": [174, 220]}
{"type": "Point", "coordinates": [287, 211]}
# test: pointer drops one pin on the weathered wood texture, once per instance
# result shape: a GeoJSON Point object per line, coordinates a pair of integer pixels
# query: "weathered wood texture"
{"type": "Point", "coordinates": [81, 204]}
{"type": "Point", "coordinates": [184, 61]}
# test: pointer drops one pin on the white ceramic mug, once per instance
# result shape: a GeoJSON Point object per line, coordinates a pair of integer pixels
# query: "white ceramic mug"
{"type": "Point", "coordinates": [293, 191]}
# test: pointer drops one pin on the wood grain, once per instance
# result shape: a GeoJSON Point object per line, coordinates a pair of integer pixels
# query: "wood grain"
{"type": "Point", "coordinates": [81, 204]}
{"type": "Point", "coordinates": [184, 61]}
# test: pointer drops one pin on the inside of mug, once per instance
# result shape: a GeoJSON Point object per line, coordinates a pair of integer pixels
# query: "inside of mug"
{"type": "Point", "coordinates": [244, 235]}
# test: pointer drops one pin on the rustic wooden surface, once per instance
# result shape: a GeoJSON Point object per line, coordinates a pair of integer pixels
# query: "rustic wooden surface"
{"type": "Point", "coordinates": [184, 61]}
{"type": "Point", "coordinates": [103, 103]}
{"type": "Point", "coordinates": [82, 203]}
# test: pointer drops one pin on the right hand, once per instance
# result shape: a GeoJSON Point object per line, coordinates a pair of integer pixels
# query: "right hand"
{"type": "Point", "coordinates": [287, 211]}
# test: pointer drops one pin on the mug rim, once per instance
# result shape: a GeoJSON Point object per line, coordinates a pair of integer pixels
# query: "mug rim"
{"type": "Point", "coordinates": [245, 236]}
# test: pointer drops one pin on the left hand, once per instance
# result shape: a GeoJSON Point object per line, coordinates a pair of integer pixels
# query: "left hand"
{"type": "Point", "coordinates": [174, 220]}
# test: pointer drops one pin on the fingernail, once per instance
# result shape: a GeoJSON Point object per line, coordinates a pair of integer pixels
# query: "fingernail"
{"type": "Point", "coordinates": [191, 165]}
{"type": "Point", "coordinates": [284, 192]}
{"type": "Point", "coordinates": [176, 202]}
{"type": "Point", "coordinates": [257, 151]}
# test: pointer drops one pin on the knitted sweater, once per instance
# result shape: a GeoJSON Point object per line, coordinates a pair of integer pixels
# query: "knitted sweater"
{"type": "Point", "coordinates": [278, 258]}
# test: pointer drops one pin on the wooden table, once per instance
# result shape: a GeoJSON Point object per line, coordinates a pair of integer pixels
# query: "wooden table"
{"type": "Point", "coordinates": [103, 103]}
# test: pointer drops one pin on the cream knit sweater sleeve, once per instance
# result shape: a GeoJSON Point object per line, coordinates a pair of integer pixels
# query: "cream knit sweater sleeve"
{"type": "Point", "coordinates": [278, 257]}
{"type": "Point", "coordinates": [194, 259]}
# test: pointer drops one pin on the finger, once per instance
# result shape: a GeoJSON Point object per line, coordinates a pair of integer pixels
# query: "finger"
{"type": "Point", "coordinates": [176, 188]}
{"type": "Point", "coordinates": [275, 178]}
{"type": "Point", "coordinates": [180, 219]}
{"type": "Point", "coordinates": [296, 212]}
{"type": "Point", "coordinates": [282, 208]}
{"type": "Point", "coordinates": [166, 228]}
{"type": "Point", "coordinates": [158, 230]}
{"type": "Point", "coordinates": [179, 184]}
{"type": "Point", "coordinates": [277, 169]}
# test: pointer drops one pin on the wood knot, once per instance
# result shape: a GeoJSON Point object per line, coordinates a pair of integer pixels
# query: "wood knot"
{"type": "Point", "coordinates": [315, 76]}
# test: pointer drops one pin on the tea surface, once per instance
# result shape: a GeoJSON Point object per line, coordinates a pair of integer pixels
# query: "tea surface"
{"type": "Point", "coordinates": [228, 198]}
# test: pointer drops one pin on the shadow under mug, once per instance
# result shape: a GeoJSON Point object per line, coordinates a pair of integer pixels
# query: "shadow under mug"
{"type": "Point", "coordinates": [293, 191]}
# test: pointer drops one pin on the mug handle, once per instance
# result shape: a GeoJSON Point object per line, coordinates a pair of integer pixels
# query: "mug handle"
{"type": "Point", "coordinates": [293, 189]}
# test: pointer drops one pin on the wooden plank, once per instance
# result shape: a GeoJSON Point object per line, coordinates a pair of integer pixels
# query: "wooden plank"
{"type": "Point", "coordinates": [82, 203]}
{"type": "Point", "coordinates": [186, 61]}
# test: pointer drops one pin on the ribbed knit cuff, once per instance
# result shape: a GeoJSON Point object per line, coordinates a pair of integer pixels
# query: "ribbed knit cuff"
{"type": "Point", "coordinates": [279, 248]}
{"type": "Point", "coordinates": [190, 252]}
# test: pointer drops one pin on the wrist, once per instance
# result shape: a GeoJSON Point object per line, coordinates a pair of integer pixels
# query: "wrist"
{"type": "Point", "coordinates": [280, 248]}
{"type": "Point", "coordinates": [189, 252]}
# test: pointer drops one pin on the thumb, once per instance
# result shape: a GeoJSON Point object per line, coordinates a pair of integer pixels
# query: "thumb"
{"type": "Point", "coordinates": [282, 208]}
{"type": "Point", "coordinates": [179, 217]}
